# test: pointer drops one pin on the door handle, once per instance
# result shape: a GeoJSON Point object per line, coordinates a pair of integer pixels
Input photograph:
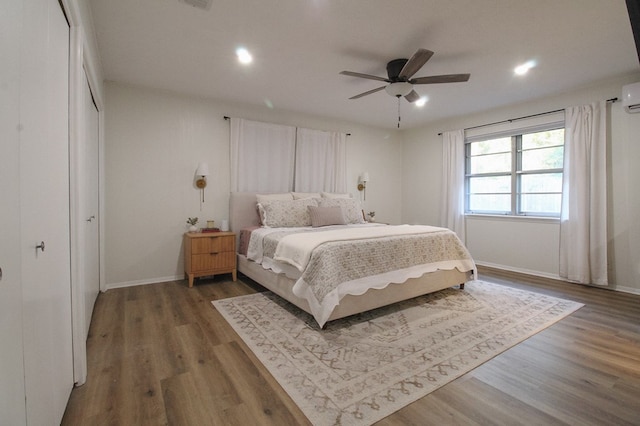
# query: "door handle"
{"type": "Point", "coordinates": [91, 218]}
{"type": "Point", "coordinates": [40, 246]}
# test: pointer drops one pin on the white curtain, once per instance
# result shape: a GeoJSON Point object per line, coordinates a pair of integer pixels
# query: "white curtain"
{"type": "Point", "coordinates": [452, 208]}
{"type": "Point", "coordinates": [321, 161]}
{"type": "Point", "coordinates": [583, 222]}
{"type": "Point", "coordinates": [262, 156]}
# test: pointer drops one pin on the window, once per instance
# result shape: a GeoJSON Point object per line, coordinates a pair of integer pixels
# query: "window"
{"type": "Point", "coordinates": [518, 174]}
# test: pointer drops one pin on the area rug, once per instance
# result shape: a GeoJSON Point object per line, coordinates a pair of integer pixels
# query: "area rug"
{"type": "Point", "coordinates": [360, 369]}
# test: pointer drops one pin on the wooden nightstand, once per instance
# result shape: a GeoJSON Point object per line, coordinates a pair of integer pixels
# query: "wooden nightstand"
{"type": "Point", "coordinates": [210, 253]}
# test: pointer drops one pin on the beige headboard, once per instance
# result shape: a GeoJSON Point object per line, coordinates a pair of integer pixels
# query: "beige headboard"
{"type": "Point", "coordinates": [242, 211]}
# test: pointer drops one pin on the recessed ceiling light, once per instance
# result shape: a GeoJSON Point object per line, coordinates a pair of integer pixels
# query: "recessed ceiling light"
{"type": "Point", "coordinates": [524, 68]}
{"type": "Point", "coordinates": [422, 101]}
{"type": "Point", "coordinates": [243, 55]}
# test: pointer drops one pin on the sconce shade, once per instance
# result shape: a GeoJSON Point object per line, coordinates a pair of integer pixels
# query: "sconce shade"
{"type": "Point", "coordinates": [203, 169]}
{"type": "Point", "coordinates": [364, 177]}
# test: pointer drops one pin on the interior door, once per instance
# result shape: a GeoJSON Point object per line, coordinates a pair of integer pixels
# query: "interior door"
{"type": "Point", "coordinates": [91, 206]}
{"type": "Point", "coordinates": [12, 409]}
{"type": "Point", "coordinates": [44, 210]}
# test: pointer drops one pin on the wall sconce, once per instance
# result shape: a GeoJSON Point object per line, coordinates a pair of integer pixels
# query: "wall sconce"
{"type": "Point", "coordinates": [362, 183]}
{"type": "Point", "coordinates": [203, 172]}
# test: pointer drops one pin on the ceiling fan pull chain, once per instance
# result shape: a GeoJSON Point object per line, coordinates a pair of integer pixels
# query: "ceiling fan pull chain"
{"type": "Point", "coordinates": [398, 112]}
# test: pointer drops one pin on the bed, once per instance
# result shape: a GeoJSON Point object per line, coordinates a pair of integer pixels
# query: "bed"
{"type": "Point", "coordinates": [275, 260]}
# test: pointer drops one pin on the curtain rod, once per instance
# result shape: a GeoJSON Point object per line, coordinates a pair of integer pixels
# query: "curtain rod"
{"type": "Point", "coordinates": [226, 117]}
{"type": "Point", "coordinates": [521, 118]}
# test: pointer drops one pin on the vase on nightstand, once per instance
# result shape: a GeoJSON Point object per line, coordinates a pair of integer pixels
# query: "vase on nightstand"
{"type": "Point", "coordinates": [193, 228]}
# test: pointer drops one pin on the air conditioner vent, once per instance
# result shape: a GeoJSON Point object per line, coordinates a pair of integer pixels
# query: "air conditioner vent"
{"type": "Point", "coordinates": [631, 97]}
{"type": "Point", "coordinates": [200, 4]}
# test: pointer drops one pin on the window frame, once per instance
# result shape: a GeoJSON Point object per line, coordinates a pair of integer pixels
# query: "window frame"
{"type": "Point", "coordinates": [515, 173]}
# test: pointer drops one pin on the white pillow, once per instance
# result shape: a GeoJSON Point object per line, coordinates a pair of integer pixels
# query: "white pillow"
{"type": "Point", "coordinates": [302, 195]}
{"type": "Point", "coordinates": [334, 195]}
{"type": "Point", "coordinates": [324, 216]}
{"type": "Point", "coordinates": [350, 207]}
{"type": "Point", "coordinates": [286, 213]}
{"type": "Point", "coordinates": [268, 197]}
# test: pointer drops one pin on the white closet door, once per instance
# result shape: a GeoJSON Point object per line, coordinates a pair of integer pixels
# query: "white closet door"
{"type": "Point", "coordinates": [12, 409]}
{"type": "Point", "coordinates": [91, 206]}
{"type": "Point", "coordinates": [44, 209]}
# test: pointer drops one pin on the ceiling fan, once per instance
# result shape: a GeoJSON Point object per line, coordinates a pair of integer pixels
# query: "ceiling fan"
{"type": "Point", "coordinates": [400, 71]}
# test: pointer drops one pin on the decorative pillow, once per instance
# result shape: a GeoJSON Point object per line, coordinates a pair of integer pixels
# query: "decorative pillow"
{"type": "Point", "coordinates": [302, 195]}
{"type": "Point", "coordinates": [350, 207]}
{"type": "Point", "coordinates": [268, 197]}
{"type": "Point", "coordinates": [334, 195]}
{"type": "Point", "coordinates": [286, 213]}
{"type": "Point", "coordinates": [323, 216]}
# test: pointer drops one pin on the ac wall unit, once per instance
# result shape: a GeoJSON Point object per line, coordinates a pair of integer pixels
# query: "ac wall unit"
{"type": "Point", "coordinates": [631, 97]}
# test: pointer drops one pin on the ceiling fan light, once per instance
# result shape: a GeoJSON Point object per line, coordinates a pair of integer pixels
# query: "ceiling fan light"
{"type": "Point", "coordinates": [401, 88]}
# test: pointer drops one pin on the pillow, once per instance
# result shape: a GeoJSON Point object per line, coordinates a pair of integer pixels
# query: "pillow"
{"type": "Point", "coordinates": [268, 197]}
{"type": "Point", "coordinates": [286, 213]}
{"type": "Point", "coordinates": [323, 216]}
{"type": "Point", "coordinates": [302, 195]}
{"type": "Point", "coordinates": [350, 207]}
{"type": "Point", "coordinates": [334, 195]}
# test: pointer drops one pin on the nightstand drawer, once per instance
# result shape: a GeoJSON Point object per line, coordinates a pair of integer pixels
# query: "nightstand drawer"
{"type": "Point", "coordinates": [213, 244]}
{"type": "Point", "coordinates": [213, 261]}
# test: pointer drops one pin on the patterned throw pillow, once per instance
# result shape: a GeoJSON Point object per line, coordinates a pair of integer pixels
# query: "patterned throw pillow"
{"type": "Point", "coordinates": [286, 213]}
{"type": "Point", "coordinates": [335, 195]}
{"type": "Point", "coordinates": [300, 195]}
{"type": "Point", "coordinates": [324, 216]}
{"type": "Point", "coordinates": [350, 207]}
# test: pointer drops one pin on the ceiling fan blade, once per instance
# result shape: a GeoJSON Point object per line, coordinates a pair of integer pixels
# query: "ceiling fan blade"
{"type": "Point", "coordinates": [370, 77]}
{"type": "Point", "coordinates": [415, 63]}
{"type": "Point", "coordinates": [368, 93]}
{"type": "Point", "coordinates": [412, 96]}
{"type": "Point", "coordinates": [447, 78]}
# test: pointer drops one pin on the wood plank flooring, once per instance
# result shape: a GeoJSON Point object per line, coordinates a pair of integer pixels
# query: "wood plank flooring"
{"type": "Point", "coordinates": [161, 354]}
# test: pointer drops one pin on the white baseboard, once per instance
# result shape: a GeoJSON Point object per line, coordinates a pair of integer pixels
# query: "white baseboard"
{"type": "Point", "coordinates": [621, 289]}
{"type": "Point", "coordinates": [144, 282]}
{"type": "Point", "coordinates": [624, 289]}
{"type": "Point", "coordinates": [520, 270]}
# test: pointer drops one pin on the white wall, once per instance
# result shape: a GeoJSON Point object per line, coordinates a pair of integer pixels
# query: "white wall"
{"type": "Point", "coordinates": [528, 245]}
{"type": "Point", "coordinates": [153, 143]}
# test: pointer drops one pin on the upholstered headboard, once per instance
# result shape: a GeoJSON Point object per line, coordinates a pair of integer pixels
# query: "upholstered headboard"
{"type": "Point", "coordinates": [242, 211]}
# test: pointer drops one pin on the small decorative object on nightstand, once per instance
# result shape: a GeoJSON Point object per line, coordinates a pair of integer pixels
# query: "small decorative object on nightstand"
{"type": "Point", "coordinates": [192, 221]}
{"type": "Point", "coordinates": [372, 216]}
{"type": "Point", "coordinates": [207, 254]}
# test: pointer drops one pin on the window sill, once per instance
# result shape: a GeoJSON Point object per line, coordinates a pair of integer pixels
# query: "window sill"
{"type": "Point", "coordinates": [523, 218]}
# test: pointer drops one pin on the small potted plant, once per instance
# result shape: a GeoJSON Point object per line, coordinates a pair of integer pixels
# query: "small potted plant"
{"type": "Point", "coordinates": [192, 221]}
{"type": "Point", "coordinates": [372, 216]}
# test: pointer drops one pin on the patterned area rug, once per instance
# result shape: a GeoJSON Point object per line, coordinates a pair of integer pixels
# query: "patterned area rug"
{"type": "Point", "coordinates": [362, 368]}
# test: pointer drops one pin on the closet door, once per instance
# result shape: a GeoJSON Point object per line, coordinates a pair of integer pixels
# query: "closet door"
{"type": "Point", "coordinates": [44, 210]}
{"type": "Point", "coordinates": [12, 409]}
{"type": "Point", "coordinates": [91, 206]}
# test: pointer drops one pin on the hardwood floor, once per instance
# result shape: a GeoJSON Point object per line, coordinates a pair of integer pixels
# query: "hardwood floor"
{"type": "Point", "coordinates": [161, 354]}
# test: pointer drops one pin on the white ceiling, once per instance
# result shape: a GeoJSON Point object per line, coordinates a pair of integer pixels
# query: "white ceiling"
{"type": "Point", "coordinates": [300, 46]}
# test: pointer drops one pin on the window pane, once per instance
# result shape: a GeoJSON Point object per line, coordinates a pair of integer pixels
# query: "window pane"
{"type": "Point", "coordinates": [544, 158]}
{"type": "Point", "coordinates": [491, 146]}
{"type": "Point", "coordinates": [491, 163]}
{"type": "Point", "coordinates": [490, 184]}
{"type": "Point", "coordinates": [540, 203]}
{"type": "Point", "coordinates": [546, 182]}
{"type": "Point", "coordinates": [542, 139]}
{"type": "Point", "coordinates": [498, 203]}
